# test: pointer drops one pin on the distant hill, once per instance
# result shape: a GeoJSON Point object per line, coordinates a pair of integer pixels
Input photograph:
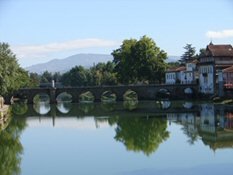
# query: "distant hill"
{"type": "Point", "coordinates": [63, 65]}
{"type": "Point", "coordinates": [85, 60]}
{"type": "Point", "coordinates": [172, 59]}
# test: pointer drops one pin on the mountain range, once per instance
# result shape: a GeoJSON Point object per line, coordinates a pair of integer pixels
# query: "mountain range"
{"type": "Point", "coordinates": [85, 60]}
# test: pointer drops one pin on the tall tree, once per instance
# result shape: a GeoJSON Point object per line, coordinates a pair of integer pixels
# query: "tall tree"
{"type": "Point", "coordinates": [77, 76]}
{"type": "Point", "coordinates": [103, 74]}
{"type": "Point", "coordinates": [189, 53]}
{"type": "Point", "coordinates": [12, 76]}
{"type": "Point", "coordinates": [34, 79]}
{"type": "Point", "coordinates": [202, 52]}
{"type": "Point", "coordinates": [46, 77]}
{"type": "Point", "coordinates": [138, 61]}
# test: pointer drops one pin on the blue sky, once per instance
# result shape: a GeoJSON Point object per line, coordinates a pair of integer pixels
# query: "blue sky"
{"type": "Point", "coordinates": [46, 29]}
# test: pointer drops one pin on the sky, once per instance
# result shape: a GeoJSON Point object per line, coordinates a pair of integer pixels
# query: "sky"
{"type": "Point", "coordinates": [40, 30]}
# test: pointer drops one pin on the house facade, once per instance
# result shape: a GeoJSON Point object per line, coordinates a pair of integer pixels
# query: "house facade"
{"type": "Point", "coordinates": [184, 75]}
{"type": "Point", "coordinates": [228, 77]}
{"type": "Point", "coordinates": [173, 75]}
{"type": "Point", "coordinates": [215, 58]}
{"type": "Point", "coordinates": [189, 75]}
{"type": "Point", "coordinates": [214, 62]}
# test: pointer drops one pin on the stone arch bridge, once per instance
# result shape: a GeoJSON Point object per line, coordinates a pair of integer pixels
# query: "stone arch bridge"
{"type": "Point", "coordinates": [144, 92]}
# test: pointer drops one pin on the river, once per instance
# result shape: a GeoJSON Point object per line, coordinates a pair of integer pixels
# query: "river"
{"type": "Point", "coordinates": [168, 137]}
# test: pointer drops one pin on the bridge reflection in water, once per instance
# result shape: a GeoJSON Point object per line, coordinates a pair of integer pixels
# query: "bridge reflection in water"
{"type": "Point", "coordinates": [213, 124]}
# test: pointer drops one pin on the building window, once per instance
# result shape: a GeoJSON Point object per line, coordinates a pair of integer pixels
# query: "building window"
{"type": "Point", "coordinates": [205, 79]}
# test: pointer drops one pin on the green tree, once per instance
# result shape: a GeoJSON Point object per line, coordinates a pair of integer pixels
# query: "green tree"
{"type": "Point", "coordinates": [77, 76]}
{"type": "Point", "coordinates": [103, 74]}
{"type": "Point", "coordinates": [138, 61]}
{"type": "Point", "coordinates": [34, 79]}
{"type": "Point", "coordinates": [12, 76]}
{"type": "Point", "coordinates": [173, 64]}
{"type": "Point", "coordinates": [189, 54]}
{"type": "Point", "coordinates": [46, 77]}
{"type": "Point", "coordinates": [201, 52]}
{"type": "Point", "coordinates": [57, 76]}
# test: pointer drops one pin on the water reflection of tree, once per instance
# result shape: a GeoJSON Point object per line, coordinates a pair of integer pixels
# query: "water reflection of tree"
{"type": "Point", "coordinates": [86, 107]}
{"type": "Point", "coordinates": [108, 106]}
{"type": "Point", "coordinates": [19, 108]}
{"type": "Point", "coordinates": [140, 133]}
{"type": "Point", "coordinates": [11, 148]}
{"type": "Point", "coordinates": [192, 136]}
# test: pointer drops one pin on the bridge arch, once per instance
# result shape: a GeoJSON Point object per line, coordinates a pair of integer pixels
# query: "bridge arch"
{"type": "Point", "coordinates": [42, 108]}
{"type": "Point", "coordinates": [108, 96]}
{"type": "Point", "coordinates": [64, 107]}
{"type": "Point", "coordinates": [19, 108]}
{"type": "Point", "coordinates": [163, 93]}
{"type": "Point", "coordinates": [86, 97]}
{"type": "Point", "coordinates": [64, 97]}
{"type": "Point", "coordinates": [130, 95]}
{"type": "Point", "coordinates": [164, 104]}
{"type": "Point", "coordinates": [41, 97]}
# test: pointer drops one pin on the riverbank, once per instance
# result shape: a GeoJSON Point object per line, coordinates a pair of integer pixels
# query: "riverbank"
{"type": "Point", "coordinates": [4, 111]}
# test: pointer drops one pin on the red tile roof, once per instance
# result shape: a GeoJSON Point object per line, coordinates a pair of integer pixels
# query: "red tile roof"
{"type": "Point", "coordinates": [219, 50]}
{"type": "Point", "coordinates": [176, 69]}
{"type": "Point", "coordinates": [229, 69]}
{"type": "Point", "coordinates": [195, 61]}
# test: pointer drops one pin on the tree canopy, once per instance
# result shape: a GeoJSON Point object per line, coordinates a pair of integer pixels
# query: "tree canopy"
{"type": "Point", "coordinates": [100, 74]}
{"type": "Point", "coordinates": [189, 53]}
{"type": "Point", "coordinates": [139, 61]}
{"type": "Point", "coordinates": [12, 76]}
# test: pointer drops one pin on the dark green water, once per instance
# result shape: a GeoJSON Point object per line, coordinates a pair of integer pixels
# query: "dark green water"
{"type": "Point", "coordinates": [154, 138]}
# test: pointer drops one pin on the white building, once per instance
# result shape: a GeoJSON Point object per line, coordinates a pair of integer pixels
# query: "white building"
{"type": "Point", "coordinates": [215, 58]}
{"type": "Point", "coordinates": [184, 75]}
{"type": "Point", "coordinates": [189, 76]}
{"type": "Point", "coordinates": [173, 75]}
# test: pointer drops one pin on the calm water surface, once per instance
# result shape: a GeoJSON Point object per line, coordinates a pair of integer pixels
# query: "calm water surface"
{"type": "Point", "coordinates": [154, 138]}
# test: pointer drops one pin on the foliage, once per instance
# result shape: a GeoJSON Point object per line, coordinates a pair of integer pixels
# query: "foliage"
{"type": "Point", "coordinates": [108, 96]}
{"type": "Point", "coordinates": [140, 133]}
{"type": "Point", "coordinates": [46, 77]}
{"type": "Point", "coordinates": [139, 61]}
{"type": "Point", "coordinates": [12, 76]}
{"type": "Point", "coordinates": [103, 74]}
{"type": "Point", "coordinates": [86, 107]}
{"type": "Point", "coordinates": [77, 76]}
{"type": "Point", "coordinates": [189, 54]}
{"type": "Point", "coordinates": [34, 79]}
{"type": "Point", "coordinates": [108, 106]}
{"type": "Point", "coordinates": [130, 104]}
{"type": "Point", "coordinates": [173, 64]}
{"type": "Point", "coordinates": [130, 95]}
{"type": "Point", "coordinates": [201, 52]}
{"type": "Point", "coordinates": [100, 74]}
{"type": "Point", "coordinates": [86, 97]}
{"type": "Point", "coordinates": [19, 108]}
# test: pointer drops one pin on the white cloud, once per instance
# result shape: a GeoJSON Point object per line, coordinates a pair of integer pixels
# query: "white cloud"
{"type": "Point", "coordinates": [220, 34]}
{"type": "Point", "coordinates": [29, 51]}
